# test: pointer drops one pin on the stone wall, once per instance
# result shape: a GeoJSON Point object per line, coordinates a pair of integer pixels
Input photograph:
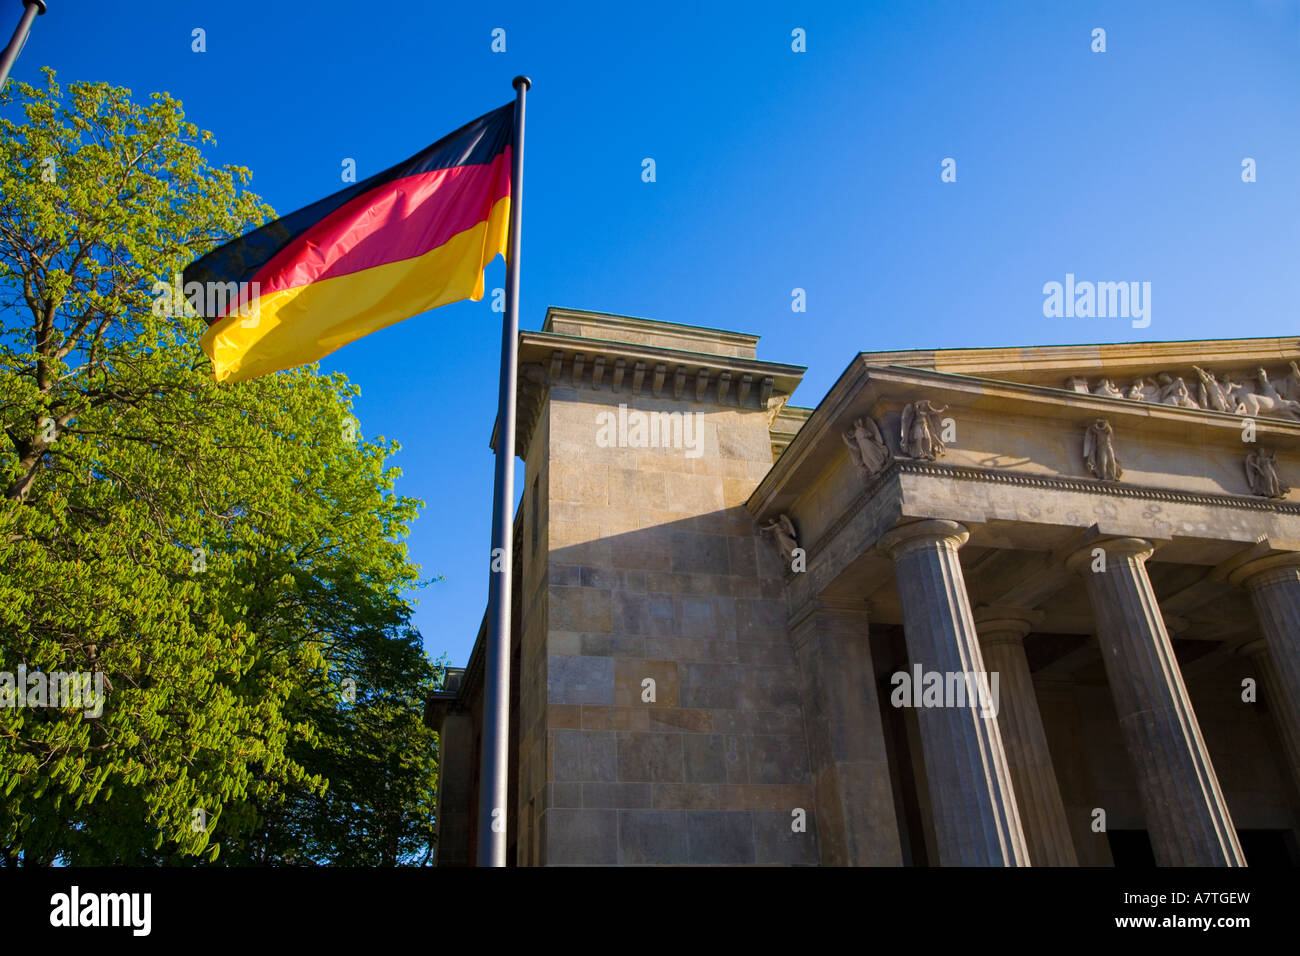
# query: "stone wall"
{"type": "Point", "coordinates": [655, 570]}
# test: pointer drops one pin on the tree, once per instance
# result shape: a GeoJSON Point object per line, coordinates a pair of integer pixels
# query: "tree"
{"type": "Point", "coordinates": [225, 556]}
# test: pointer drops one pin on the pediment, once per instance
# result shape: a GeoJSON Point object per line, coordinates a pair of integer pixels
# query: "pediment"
{"type": "Point", "coordinates": [1250, 377]}
{"type": "Point", "coordinates": [1027, 411]}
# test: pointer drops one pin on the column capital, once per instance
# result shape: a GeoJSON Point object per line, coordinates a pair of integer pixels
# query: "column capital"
{"type": "Point", "coordinates": [1005, 625]}
{"type": "Point", "coordinates": [1271, 568]}
{"type": "Point", "coordinates": [918, 534]}
{"type": "Point", "coordinates": [1081, 559]}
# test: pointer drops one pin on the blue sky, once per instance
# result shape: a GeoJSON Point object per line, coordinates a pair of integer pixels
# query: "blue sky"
{"type": "Point", "coordinates": [775, 170]}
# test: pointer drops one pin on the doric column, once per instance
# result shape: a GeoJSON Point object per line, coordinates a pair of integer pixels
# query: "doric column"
{"type": "Point", "coordinates": [1274, 586]}
{"type": "Point", "coordinates": [1187, 817]}
{"type": "Point", "coordinates": [975, 818]}
{"type": "Point", "coordinates": [856, 821]}
{"type": "Point", "coordinates": [1038, 797]}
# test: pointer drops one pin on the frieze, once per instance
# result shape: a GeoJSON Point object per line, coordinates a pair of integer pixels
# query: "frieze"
{"type": "Point", "coordinates": [1253, 393]}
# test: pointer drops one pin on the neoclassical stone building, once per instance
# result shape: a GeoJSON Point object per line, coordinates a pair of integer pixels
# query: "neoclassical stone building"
{"type": "Point", "coordinates": [738, 623]}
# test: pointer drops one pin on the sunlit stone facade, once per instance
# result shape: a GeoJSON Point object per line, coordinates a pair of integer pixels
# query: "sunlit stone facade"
{"type": "Point", "coordinates": [719, 598]}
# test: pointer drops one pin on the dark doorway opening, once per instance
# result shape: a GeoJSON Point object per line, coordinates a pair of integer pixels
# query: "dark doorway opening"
{"type": "Point", "coordinates": [1131, 849]}
{"type": "Point", "coordinates": [1269, 847]}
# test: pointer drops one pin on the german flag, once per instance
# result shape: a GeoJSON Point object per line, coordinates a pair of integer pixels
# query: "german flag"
{"type": "Point", "coordinates": [404, 241]}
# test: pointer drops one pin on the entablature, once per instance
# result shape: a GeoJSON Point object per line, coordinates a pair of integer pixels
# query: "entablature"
{"type": "Point", "coordinates": [548, 360]}
{"type": "Point", "coordinates": [1020, 428]}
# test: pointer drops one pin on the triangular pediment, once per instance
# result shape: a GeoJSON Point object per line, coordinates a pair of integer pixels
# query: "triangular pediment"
{"type": "Point", "coordinates": [1258, 377]}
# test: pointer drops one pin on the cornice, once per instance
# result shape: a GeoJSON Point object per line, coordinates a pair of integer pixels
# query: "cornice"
{"type": "Point", "coordinates": [533, 344]}
{"type": "Point", "coordinates": [1114, 489]}
{"type": "Point", "coordinates": [633, 325]}
{"type": "Point", "coordinates": [549, 360]}
{"type": "Point", "coordinates": [1052, 360]}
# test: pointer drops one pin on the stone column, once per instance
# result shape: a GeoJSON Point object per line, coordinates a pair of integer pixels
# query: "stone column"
{"type": "Point", "coordinates": [856, 821]}
{"type": "Point", "coordinates": [975, 818]}
{"type": "Point", "coordinates": [1274, 586]}
{"type": "Point", "coordinates": [1187, 817]}
{"type": "Point", "coordinates": [1038, 797]}
{"type": "Point", "coordinates": [1059, 699]}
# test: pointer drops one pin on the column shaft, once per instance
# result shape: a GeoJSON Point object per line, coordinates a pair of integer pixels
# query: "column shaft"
{"type": "Point", "coordinates": [1187, 816]}
{"type": "Point", "coordinates": [975, 817]}
{"type": "Point", "coordinates": [1275, 592]}
{"type": "Point", "coordinates": [1038, 796]}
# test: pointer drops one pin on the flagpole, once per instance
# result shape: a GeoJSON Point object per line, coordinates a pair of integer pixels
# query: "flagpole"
{"type": "Point", "coordinates": [493, 811]}
{"type": "Point", "coordinates": [10, 53]}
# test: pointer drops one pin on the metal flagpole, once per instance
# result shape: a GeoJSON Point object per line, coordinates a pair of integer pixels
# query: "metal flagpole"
{"type": "Point", "coordinates": [10, 53]}
{"type": "Point", "coordinates": [493, 783]}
